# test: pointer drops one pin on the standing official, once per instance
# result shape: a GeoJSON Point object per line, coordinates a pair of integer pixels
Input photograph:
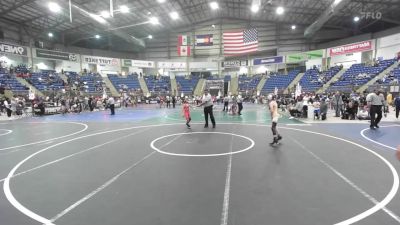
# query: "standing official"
{"type": "Point", "coordinates": [375, 103]}
{"type": "Point", "coordinates": [111, 104]}
{"type": "Point", "coordinates": [240, 104]}
{"type": "Point", "coordinates": [208, 108]}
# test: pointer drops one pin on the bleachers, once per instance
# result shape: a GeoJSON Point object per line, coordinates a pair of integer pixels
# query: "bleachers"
{"type": "Point", "coordinates": [10, 82]}
{"type": "Point", "coordinates": [359, 74]}
{"type": "Point", "coordinates": [129, 82]}
{"type": "Point", "coordinates": [314, 80]}
{"type": "Point", "coordinates": [281, 81]}
{"type": "Point", "coordinates": [248, 83]}
{"type": "Point", "coordinates": [392, 78]}
{"type": "Point", "coordinates": [93, 83]}
{"type": "Point", "coordinates": [161, 85]}
{"type": "Point", "coordinates": [47, 80]}
{"type": "Point", "coordinates": [186, 86]}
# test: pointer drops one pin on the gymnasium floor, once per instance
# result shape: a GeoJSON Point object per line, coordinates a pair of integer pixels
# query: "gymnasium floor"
{"type": "Point", "coordinates": [143, 166]}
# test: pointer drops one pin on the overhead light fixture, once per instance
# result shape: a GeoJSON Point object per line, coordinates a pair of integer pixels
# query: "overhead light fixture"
{"type": "Point", "coordinates": [213, 26]}
{"type": "Point", "coordinates": [293, 27]}
{"type": "Point", "coordinates": [54, 7]}
{"type": "Point", "coordinates": [174, 15]}
{"type": "Point", "coordinates": [150, 36]}
{"type": "Point", "coordinates": [124, 9]}
{"type": "Point", "coordinates": [280, 10]}
{"type": "Point", "coordinates": [336, 2]}
{"type": "Point", "coordinates": [160, 1]}
{"type": "Point", "coordinates": [254, 8]}
{"type": "Point", "coordinates": [356, 19]}
{"type": "Point", "coordinates": [50, 34]}
{"type": "Point", "coordinates": [214, 5]}
{"type": "Point", "coordinates": [154, 20]}
{"type": "Point", "coordinates": [97, 36]}
{"type": "Point", "coordinates": [105, 14]}
{"type": "Point", "coordinates": [98, 18]}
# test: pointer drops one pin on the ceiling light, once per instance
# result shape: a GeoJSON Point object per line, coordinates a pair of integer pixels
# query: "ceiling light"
{"type": "Point", "coordinates": [50, 34]}
{"type": "Point", "coordinates": [97, 36]}
{"type": "Point", "coordinates": [214, 5]}
{"type": "Point", "coordinates": [54, 7]}
{"type": "Point", "coordinates": [293, 27]}
{"type": "Point", "coordinates": [105, 14]}
{"type": "Point", "coordinates": [160, 1]}
{"type": "Point", "coordinates": [154, 20]}
{"type": "Point", "coordinates": [254, 8]}
{"type": "Point", "coordinates": [174, 15]}
{"type": "Point", "coordinates": [356, 19]}
{"type": "Point", "coordinates": [98, 18]}
{"type": "Point", "coordinates": [150, 36]}
{"type": "Point", "coordinates": [213, 26]}
{"type": "Point", "coordinates": [124, 9]}
{"type": "Point", "coordinates": [280, 10]}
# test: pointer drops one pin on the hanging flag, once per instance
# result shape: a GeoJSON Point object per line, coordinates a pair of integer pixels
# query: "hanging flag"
{"type": "Point", "coordinates": [242, 42]}
{"type": "Point", "coordinates": [204, 40]}
{"type": "Point", "coordinates": [183, 50]}
{"type": "Point", "coordinates": [183, 40]}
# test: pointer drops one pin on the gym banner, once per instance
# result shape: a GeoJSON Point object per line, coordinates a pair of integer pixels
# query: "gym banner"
{"type": "Point", "coordinates": [172, 65]}
{"type": "Point", "coordinates": [234, 63]}
{"type": "Point", "coordinates": [138, 63]}
{"type": "Point", "coordinates": [304, 56]}
{"type": "Point", "coordinates": [351, 48]}
{"type": "Point", "coordinates": [13, 49]}
{"type": "Point", "coordinates": [41, 53]}
{"type": "Point", "coordinates": [268, 60]}
{"type": "Point", "coordinates": [100, 60]}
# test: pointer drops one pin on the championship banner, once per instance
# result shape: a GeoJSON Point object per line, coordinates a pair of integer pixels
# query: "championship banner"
{"type": "Point", "coordinates": [100, 60]}
{"type": "Point", "coordinates": [172, 65]}
{"type": "Point", "coordinates": [13, 49]}
{"type": "Point", "coordinates": [138, 63]}
{"type": "Point", "coordinates": [204, 40]}
{"type": "Point", "coordinates": [351, 48]}
{"type": "Point", "coordinates": [41, 53]}
{"type": "Point", "coordinates": [234, 63]}
{"type": "Point", "coordinates": [304, 56]}
{"type": "Point", "coordinates": [268, 60]}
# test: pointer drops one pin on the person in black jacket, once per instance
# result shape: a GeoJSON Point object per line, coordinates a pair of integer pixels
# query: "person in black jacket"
{"type": "Point", "coordinates": [397, 105]}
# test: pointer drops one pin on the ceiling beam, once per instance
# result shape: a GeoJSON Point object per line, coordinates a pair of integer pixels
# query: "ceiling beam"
{"type": "Point", "coordinates": [15, 6]}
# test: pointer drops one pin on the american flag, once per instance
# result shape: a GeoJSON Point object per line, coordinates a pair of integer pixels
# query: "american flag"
{"type": "Point", "coordinates": [236, 43]}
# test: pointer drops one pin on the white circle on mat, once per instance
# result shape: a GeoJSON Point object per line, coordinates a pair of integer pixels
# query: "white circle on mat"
{"type": "Point", "coordinates": [7, 132]}
{"type": "Point", "coordinates": [202, 155]}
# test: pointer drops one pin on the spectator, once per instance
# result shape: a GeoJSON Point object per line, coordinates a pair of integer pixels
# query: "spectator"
{"type": "Point", "coordinates": [337, 103]}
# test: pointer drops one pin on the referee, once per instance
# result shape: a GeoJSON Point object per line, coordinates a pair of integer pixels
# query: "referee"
{"type": "Point", "coordinates": [375, 103]}
{"type": "Point", "coordinates": [208, 108]}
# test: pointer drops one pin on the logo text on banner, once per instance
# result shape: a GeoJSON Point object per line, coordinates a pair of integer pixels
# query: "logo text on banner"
{"type": "Point", "coordinates": [351, 48]}
{"type": "Point", "coordinates": [268, 60]}
{"type": "Point", "coordinates": [56, 55]}
{"type": "Point", "coordinates": [13, 49]}
{"type": "Point", "coordinates": [172, 65]}
{"type": "Point", "coordinates": [100, 60]}
{"type": "Point", "coordinates": [138, 63]}
{"type": "Point", "coordinates": [234, 63]}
